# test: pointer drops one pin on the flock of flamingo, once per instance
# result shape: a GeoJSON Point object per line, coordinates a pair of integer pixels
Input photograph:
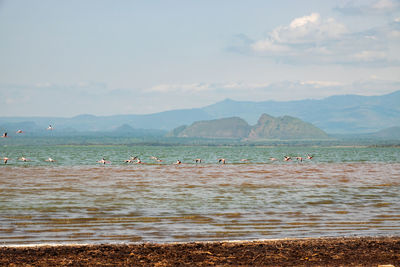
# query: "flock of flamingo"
{"type": "Point", "coordinates": [137, 160]}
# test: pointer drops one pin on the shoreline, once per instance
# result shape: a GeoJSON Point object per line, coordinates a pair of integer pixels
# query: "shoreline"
{"type": "Point", "coordinates": [329, 251]}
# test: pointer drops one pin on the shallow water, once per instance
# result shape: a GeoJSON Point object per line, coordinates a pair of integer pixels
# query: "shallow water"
{"type": "Point", "coordinates": [340, 192]}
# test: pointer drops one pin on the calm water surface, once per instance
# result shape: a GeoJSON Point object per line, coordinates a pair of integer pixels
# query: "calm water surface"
{"type": "Point", "coordinates": [340, 192]}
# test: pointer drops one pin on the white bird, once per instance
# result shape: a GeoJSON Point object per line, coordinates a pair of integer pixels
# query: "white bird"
{"type": "Point", "coordinates": [50, 160]}
{"type": "Point", "coordinates": [24, 159]}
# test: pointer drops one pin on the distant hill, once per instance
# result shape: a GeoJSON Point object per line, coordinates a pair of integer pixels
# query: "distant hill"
{"type": "Point", "coordinates": [343, 114]}
{"type": "Point", "coordinates": [392, 133]}
{"type": "Point", "coordinates": [267, 127]}
{"type": "Point", "coordinates": [222, 128]}
{"type": "Point", "coordinates": [285, 127]}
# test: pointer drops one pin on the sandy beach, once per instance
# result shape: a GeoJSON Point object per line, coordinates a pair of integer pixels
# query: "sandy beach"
{"type": "Point", "coordinates": [363, 251]}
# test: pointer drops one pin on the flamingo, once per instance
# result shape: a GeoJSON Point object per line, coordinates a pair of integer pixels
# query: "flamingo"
{"type": "Point", "coordinates": [131, 160]}
{"type": "Point", "coordinates": [19, 131]}
{"type": "Point", "coordinates": [178, 162]}
{"type": "Point", "coordinates": [299, 158]}
{"type": "Point", "coordinates": [50, 160]}
{"type": "Point", "coordinates": [4, 135]}
{"type": "Point", "coordinates": [309, 157]}
{"type": "Point", "coordinates": [273, 159]}
{"type": "Point", "coordinates": [287, 158]}
{"type": "Point", "coordinates": [221, 160]}
{"type": "Point", "coordinates": [5, 159]}
{"type": "Point", "coordinates": [156, 159]}
{"type": "Point", "coordinates": [103, 161]}
{"type": "Point", "coordinates": [50, 128]}
{"type": "Point", "coordinates": [24, 159]}
{"type": "Point", "coordinates": [197, 160]}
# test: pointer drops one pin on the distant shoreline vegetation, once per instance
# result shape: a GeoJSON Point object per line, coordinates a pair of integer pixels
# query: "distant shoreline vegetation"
{"type": "Point", "coordinates": [176, 141]}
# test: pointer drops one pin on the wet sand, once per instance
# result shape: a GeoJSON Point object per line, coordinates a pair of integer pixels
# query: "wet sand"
{"type": "Point", "coordinates": [364, 251]}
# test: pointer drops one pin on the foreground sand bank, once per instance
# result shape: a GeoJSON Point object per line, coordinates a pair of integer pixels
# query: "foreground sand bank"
{"type": "Point", "coordinates": [365, 251]}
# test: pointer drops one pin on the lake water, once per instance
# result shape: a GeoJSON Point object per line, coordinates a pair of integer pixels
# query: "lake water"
{"type": "Point", "coordinates": [341, 191]}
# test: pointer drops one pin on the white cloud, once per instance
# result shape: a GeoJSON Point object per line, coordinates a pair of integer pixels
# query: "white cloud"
{"type": "Point", "coordinates": [268, 45]}
{"type": "Point", "coordinates": [369, 56]}
{"type": "Point", "coordinates": [303, 30]}
{"type": "Point", "coordinates": [374, 8]}
{"type": "Point", "coordinates": [194, 88]}
{"type": "Point", "coordinates": [384, 4]}
{"type": "Point", "coordinates": [320, 84]}
{"type": "Point", "coordinates": [185, 88]}
{"type": "Point", "coordinates": [313, 39]}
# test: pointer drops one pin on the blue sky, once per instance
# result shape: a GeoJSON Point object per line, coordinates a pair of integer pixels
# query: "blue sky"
{"type": "Point", "coordinates": [101, 57]}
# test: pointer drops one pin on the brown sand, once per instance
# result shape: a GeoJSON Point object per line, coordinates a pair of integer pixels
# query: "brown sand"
{"type": "Point", "coordinates": [368, 251]}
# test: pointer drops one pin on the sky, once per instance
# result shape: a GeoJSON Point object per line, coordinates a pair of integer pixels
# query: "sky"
{"type": "Point", "coordinates": [103, 57]}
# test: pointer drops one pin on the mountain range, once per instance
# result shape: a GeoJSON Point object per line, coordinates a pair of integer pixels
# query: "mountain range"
{"type": "Point", "coordinates": [341, 114]}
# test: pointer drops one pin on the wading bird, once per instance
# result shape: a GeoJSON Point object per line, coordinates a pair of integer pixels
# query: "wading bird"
{"type": "Point", "coordinates": [299, 158]}
{"type": "Point", "coordinates": [103, 161]}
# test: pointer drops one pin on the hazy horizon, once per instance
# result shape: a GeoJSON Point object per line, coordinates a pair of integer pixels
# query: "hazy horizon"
{"type": "Point", "coordinates": [63, 59]}
{"type": "Point", "coordinates": [200, 107]}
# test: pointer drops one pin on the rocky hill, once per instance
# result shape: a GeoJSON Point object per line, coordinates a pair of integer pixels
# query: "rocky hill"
{"type": "Point", "coordinates": [234, 127]}
{"type": "Point", "coordinates": [267, 127]}
{"type": "Point", "coordinates": [285, 127]}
